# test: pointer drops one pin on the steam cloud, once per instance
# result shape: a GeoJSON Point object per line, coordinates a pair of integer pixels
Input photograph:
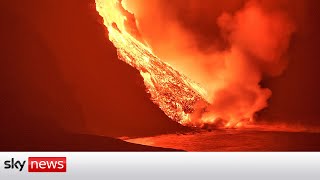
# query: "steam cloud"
{"type": "Point", "coordinates": [227, 47]}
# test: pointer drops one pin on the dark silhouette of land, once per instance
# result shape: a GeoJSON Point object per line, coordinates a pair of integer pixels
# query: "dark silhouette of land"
{"type": "Point", "coordinates": [61, 79]}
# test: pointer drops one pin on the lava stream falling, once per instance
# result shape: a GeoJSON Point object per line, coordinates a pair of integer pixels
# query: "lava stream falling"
{"type": "Point", "coordinates": [173, 92]}
{"type": "Point", "coordinates": [232, 94]}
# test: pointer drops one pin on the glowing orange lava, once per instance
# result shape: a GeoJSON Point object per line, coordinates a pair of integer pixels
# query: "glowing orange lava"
{"type": "Point", "coordinates": [179, 97]}
{"type": "Point", "coordinates": [173, 92]}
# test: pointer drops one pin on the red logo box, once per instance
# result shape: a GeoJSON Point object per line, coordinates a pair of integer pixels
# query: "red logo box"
{"type": "Point", "coordinates": [47, 164]}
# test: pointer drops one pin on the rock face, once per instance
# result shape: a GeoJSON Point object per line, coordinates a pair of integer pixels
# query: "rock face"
{"type": "Point", "coordinates": [58, 71]}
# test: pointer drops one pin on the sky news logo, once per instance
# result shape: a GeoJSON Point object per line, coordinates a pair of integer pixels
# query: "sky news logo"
{"type": "Point", "coordinates": [38, 164]}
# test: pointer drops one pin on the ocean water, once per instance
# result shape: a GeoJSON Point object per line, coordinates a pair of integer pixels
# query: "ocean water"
{"type": "Point", "coordinates": [235, 140]}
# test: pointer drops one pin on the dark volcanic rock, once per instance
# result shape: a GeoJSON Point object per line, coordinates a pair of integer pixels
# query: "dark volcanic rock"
{"type": "Point", "coordinates": [56, 140]}
{"type": "Point", "coordinates": [58, 71]}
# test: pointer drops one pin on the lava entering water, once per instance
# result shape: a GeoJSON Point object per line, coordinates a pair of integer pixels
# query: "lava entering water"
{"type": "Point", "coordinates": [181, 98]}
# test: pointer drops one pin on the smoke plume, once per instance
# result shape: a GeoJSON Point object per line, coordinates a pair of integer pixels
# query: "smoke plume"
{"type": "Point", "coordinates": [228, 47]}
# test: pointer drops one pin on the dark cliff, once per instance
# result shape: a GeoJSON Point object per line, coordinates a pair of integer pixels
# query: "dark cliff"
{"type": "Point", "coordinates": [60, 74]}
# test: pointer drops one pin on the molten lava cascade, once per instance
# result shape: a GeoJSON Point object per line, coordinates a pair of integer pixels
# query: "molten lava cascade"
{"type": "Point", "coordinates": [173, 92]}
{"type": "Point", "coordinates": [230, 93]}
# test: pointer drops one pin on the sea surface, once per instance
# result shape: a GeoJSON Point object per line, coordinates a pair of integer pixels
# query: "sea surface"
{"type": "Point", "coordinates": [235, 140]}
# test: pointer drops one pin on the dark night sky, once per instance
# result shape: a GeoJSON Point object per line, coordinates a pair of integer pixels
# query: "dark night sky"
{"type": "Point", "coordinates": [296, 93]}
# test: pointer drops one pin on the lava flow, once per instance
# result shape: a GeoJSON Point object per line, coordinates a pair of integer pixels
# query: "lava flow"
{"type": "Point", "coordinates": [232, 94]}
{"type": "Point", "coordinates": [173, 92]}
